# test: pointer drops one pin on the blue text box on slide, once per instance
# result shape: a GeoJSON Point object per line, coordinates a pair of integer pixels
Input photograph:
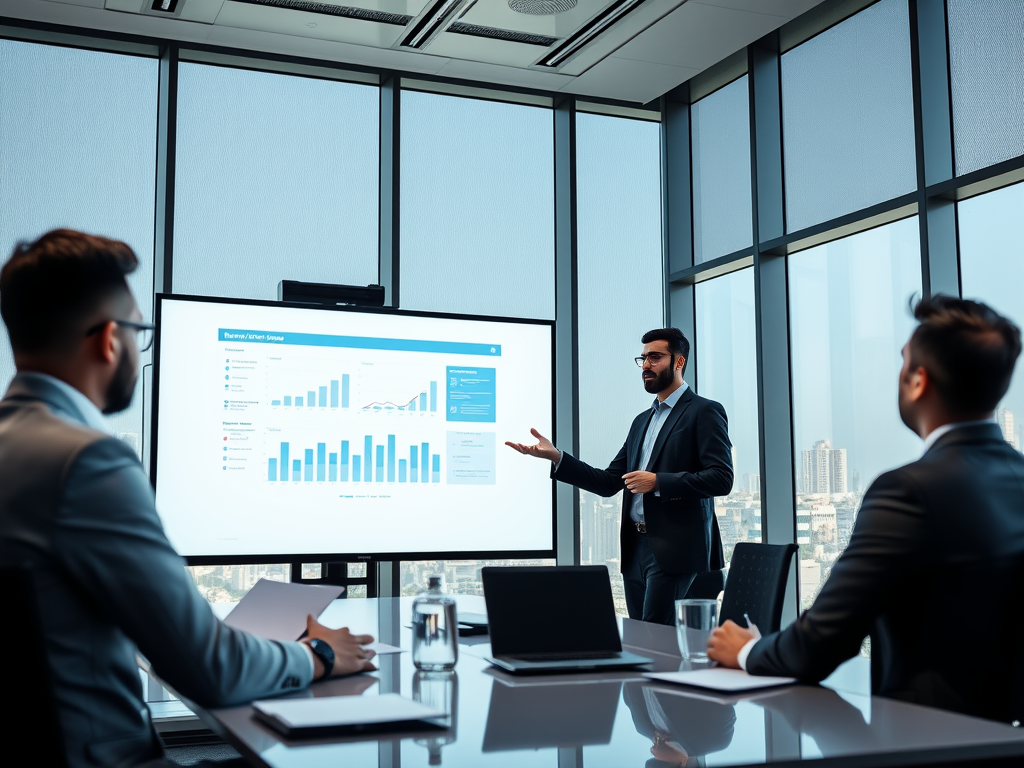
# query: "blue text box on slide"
{"type": "Point", "coordinates": [471, 394]}
{"type": "Point", "coordinates": [471, 458]}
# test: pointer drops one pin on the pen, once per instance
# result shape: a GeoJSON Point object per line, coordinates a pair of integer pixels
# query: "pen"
{"type": "Point", "coordinates": [752, 626]}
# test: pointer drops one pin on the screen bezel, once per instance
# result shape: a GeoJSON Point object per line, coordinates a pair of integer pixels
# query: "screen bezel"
{"type": "Point", "coordinates": [346, 556]}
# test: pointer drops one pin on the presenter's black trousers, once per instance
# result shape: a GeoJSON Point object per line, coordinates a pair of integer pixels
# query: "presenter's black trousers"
{"type": "Point", "coordinates": [651, 593]}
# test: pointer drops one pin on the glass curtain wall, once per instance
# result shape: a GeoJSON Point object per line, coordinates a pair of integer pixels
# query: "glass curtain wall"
{"type": "Point", "coordinates": [618, 204]}
{"type": "Point", "coordinates": [78, 150]}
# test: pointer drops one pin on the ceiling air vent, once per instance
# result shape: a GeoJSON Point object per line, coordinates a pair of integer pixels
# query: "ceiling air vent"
{"type": "Point", "coordinates": [581, 38]}
{"type": "Point", "coordinates": [475, 30]}
{"type": "Point", "coordinates": [541, 7]}
{"type": "Point", "coordinates": [431, 22]}
{"type": "Point", "coordinates": [327, 9]}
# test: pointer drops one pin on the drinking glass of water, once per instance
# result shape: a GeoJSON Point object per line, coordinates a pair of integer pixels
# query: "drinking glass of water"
{"type": "Point", "coordinates": [695, 619]}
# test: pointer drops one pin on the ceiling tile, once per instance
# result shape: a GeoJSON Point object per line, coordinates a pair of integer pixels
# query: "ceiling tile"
{"type": "Point", "coordinates": [789, 9]}
{"type": "Point", "coordinates": [628, 80]}
{"type": "Point", "coordinates": [492, 73]}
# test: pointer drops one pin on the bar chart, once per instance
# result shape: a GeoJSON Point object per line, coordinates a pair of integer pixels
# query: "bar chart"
{"type": "Point", "coordinates": [335, 394]}
{"type": "Point", "coordinates": [377, 462]}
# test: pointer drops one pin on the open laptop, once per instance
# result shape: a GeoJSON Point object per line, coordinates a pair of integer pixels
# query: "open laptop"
{"type": "Point", "coordinates": [553, 619]}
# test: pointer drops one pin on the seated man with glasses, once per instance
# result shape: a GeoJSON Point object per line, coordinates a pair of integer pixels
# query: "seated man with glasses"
{"type": "Point", "coordinates": [677, 457]}
{"type": "Point", "coordinates": [76, 505]}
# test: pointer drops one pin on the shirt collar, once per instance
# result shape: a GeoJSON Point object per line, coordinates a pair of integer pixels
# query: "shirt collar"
{"type": "Point", "coordinates": [671, 400]}
{"type": "Point", "coordinates": [945, 428]}
{"type": "Point", "coordinates": [91, 415]}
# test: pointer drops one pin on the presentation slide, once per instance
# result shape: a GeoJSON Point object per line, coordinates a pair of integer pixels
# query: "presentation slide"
{"type": "Point", "coordinates": [283, 430]}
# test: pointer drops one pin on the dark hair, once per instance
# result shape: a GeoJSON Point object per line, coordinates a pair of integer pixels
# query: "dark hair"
{"type": "Point", "coordinates": [968, 349]}
{"type": "Point", "coordinates": [51, 287]}
{"type": "Point", "coordinates": [677, 343]}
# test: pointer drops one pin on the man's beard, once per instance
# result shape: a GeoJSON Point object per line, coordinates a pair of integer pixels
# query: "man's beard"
{"type": "Point", "coordinates": [661, 380]}
{"type": "Point", "coordinates": [122, 386]}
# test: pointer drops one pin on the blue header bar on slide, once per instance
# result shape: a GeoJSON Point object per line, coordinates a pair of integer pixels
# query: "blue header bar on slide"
{"type": "Point", "coordinates": [240, 336]}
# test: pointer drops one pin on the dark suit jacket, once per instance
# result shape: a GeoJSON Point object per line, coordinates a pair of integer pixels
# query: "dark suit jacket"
{"type": "Point", "coordinates": [933, 573]}
{"type": "Point", "coordinates": [693, 460]}
{"type": "Point", "coordinates": [76, 505]}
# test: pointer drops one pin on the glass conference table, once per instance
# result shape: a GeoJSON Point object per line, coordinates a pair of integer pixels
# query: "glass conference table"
{"type": "Point", "coordinates": [612, 719]}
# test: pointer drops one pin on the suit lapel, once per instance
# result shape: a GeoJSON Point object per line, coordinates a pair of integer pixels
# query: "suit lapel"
{"type": "Point", "coordinates": [670, 424]}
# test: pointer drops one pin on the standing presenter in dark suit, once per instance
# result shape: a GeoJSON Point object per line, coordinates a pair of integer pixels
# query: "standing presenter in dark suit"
{"type": "Point", "coordinates": [934, 570]}
{"type": "Point", "coordinates": [677, 457]}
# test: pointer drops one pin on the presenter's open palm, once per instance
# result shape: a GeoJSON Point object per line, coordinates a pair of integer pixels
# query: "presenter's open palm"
{"type": "Point", "coordinates": [542, 450]}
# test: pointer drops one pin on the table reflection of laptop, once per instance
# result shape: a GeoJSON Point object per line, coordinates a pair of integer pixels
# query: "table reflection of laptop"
{"type": "Point", "coordinates": [554, 619]}
{"type": "Point", "coordinates": [553, 715]}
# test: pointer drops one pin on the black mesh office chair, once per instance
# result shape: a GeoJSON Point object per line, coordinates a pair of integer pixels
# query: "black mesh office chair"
{"type": "Point", "coordinates": [757, 584]}
{"type": "Point", "coordinates": [28, 679]}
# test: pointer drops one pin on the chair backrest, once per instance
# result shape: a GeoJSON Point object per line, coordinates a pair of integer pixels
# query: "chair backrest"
{"type": "Point", "coordinates": [757, 584]}
{"type": "Point", "coordinates": [27, 677]}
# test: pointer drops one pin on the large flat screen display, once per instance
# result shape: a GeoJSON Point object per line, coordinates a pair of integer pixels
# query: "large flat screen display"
{"type": "Point", "coordinates": [282, 431]}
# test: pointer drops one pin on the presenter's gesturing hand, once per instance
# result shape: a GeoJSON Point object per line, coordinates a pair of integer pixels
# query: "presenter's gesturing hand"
{"type": "Point", "coordinates": [542, 450]}
{"type": "Point", "coordinates": [640, 482]}
{"type": "Point", "coordinates": [349, 655]}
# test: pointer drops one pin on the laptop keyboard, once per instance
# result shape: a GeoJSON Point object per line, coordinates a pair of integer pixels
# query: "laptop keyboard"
{"type": "Point", "coordinates": [565, 656]}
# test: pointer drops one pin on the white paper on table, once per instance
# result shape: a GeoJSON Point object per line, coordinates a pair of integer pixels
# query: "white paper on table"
{"type": "Point", "coordinates": [720, 679]}
{"type": "Point", "coordinates": [277, 610]}
{"type": "Point", "coordinates": [383, 649]}
{"type": "Point", "coordinates": [340, 711]}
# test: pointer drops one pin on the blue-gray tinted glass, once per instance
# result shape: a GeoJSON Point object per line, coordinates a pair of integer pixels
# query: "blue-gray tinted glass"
{"type": "Point", "coordinates": [477, 206]}
{"type": "Point", "coordinates": [848, 116]}
{"type": "Point", "coordinates": [618, 199]}
{"type": "Point", "coordinates": [277, 179]}
{"type": "Point", "coordinates": [727, 372]}
{"type": "Point", "coordinates": [992, 271]}
{"type": "Point", "coordinates": [78, 150]}
{"type": "Point", "coordinates": [986, 50]}
{"type": "Point", "coordinates": [721, 172]}
{"type": "Point", "coordinates": [849, 319]}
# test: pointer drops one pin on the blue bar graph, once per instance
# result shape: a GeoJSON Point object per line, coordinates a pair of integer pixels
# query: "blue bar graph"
{"type": "Point", "coordinates": [298, 402]}
{"type": "Point", "coordinates": [433, 396]}
{"type": "Point", "coordinates": [380, 464]}
{"type": "Point", "coordinates": [332, 463]}
{"type": "Point", "coordinates": [423, 401]}
{"type": "Point", "coordinates": [321, 462]}
{"type": "Point", "coordinates": [287, 399]}
{"type": "Point", "coordinates": [311, 399]}
{"type": "Point", "coordinates": [391, 458]}
{"type": "Point", "coordinates": [284, 461]}
{"type": "Point", "coordinates": [344, 390]}
{"type": "Point", "coordinates": [307, 473]}
{"type": "Point", "coordinates": [424, 462]}
{"type": "Point", "coordinates": [275, 402]}
{"type": "Point", "coordinates": [323, 397]}
{"type": "Point", "coordinates": [334, 393]}
{"type": "Point", "coordinates": [272, 470]}
{"type": "Point", "coordinates": [344, 461]}
{"type": "Point", "coordinates": [296, 470]}
{"type": "Point", "coordinates": [355, 468]}
{"type": "Point", "coordinates": [435, 475]}
{"type": "Point", "coordinates": [368, 459]}
{"type": "Point", "coordinates": [401, 470]}
{"type": "Point", "coordinates": [411, 406]}
{"type": "Point", "coordinates": [414, 456]}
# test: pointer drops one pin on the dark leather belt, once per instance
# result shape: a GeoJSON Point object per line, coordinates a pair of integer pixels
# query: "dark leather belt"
{"type": "Point", "coordinates": [641, 527]}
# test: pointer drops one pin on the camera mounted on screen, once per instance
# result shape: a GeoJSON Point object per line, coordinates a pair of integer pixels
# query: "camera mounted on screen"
{"type": "Point", "coordinates": [327, 295]}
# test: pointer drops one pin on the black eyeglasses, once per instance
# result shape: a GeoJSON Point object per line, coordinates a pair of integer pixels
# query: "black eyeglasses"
{"type": "Point", "coordinates": [653, 358]}
{"type": "Point", "coordinates": [145, 331]}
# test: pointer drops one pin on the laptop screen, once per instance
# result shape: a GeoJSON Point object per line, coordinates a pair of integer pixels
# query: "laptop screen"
{"type": "Point", "coordinates": [539, 609]}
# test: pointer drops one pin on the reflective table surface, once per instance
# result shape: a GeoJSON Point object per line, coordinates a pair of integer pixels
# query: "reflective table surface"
{"type": "Point", "coordinates": [611, 719]}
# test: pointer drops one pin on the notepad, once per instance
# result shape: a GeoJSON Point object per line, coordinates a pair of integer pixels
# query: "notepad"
{"type": "Point", "coordinates": [277, 610]}
{"type": "Point", "coordinates": [313, 717]}
{"type": "Point", "coordinates": [721, 679]}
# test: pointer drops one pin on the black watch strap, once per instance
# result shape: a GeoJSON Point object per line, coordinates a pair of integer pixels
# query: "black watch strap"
{"type": "Point", "coordinates": [323, 651]}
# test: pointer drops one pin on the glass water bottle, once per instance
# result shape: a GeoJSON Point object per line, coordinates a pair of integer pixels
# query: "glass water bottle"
{"type": "Point", "coordinates": [435, 634]}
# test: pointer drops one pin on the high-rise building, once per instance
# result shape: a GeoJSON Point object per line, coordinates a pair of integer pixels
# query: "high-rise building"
{"type": "Point", "coordinates": [824, 469]}
{"type": "Point", "coordinates": [1004, 418]}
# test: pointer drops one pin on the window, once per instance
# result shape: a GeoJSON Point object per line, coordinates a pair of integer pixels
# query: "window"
{"type": "Point", "coordinates": [992, 271]}
{"type": "Point", "coordinates": [618, 194]}
{"type": "Point", "coordinates": [726, 355]}
{"type": "Point", "coordinates": [277, 178]}
{"type": "Point", "coordinates": [477, 207]}
{"type": "Point", "coordinates": [849, 319]}
{"type": "Point", "coordinates": [848, 116]}
{"type": "Point", "coordinates": [78, 149]}
{"type": "Point", "coordinates": [461, 577]}
{"type": "Point", "coordinates": [229, 583]}
{"type": "Point", "coordinates": [986, 51]}
{"type": "Point", "coordinates": [721, 172]}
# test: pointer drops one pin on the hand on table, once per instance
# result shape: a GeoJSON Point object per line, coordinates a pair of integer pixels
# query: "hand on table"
{"type": "Point", "coordinates": [349, 655]}
{"type": "Point", "coordinates": [640, 482]}
{"type": "Point", "coordinates": [726, 642]}
{"type": "Point", "coordinates": [542, 450]}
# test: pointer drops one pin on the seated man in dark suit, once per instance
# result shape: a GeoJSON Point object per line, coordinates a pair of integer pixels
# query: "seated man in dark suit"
{"type": "Point", "coordinates": [76, 505]}
{"type": "Point", "coordinates": [935, 565]}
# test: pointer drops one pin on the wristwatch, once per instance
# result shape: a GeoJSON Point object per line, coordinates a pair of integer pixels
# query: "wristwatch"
{"type": "Point", "coordinates": [323, 651]}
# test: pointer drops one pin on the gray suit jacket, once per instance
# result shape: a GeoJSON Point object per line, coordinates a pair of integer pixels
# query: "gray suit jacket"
{"type": "Point", "coordinates": [76, 505]}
